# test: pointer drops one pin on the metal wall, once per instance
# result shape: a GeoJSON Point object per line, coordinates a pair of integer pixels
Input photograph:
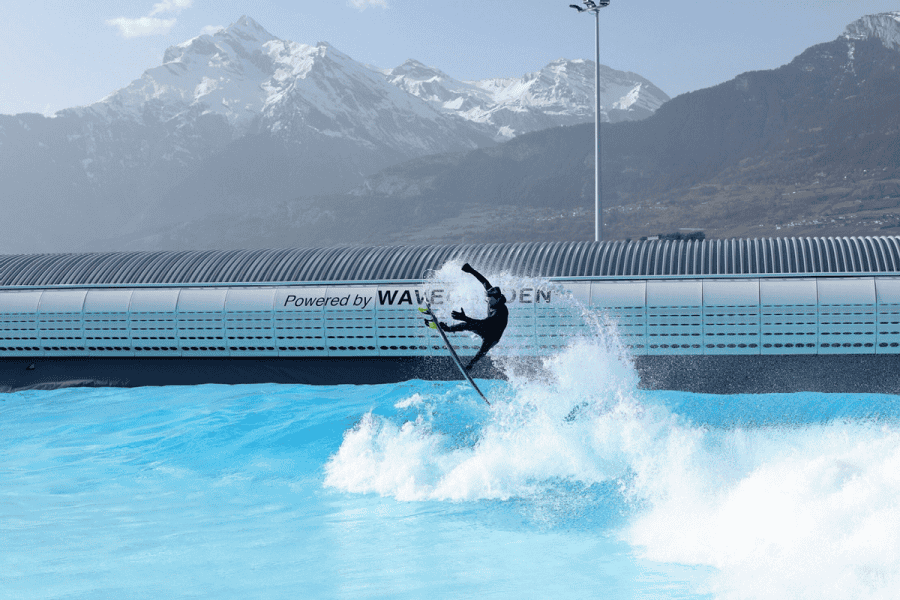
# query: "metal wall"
{"type": "Point", "coordinates": [801, 315]}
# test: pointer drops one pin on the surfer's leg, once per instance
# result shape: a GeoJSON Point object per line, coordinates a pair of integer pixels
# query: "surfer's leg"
{"type": "Point", "coordinates": [485, 346]}
{"type": "Point", "coordinates": [456, 327]}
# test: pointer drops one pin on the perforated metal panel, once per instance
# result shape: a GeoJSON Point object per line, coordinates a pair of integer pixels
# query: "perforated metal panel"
{"type": "Point", "coordinates": [731, 323]}
{"type": "Point", "coordinates": [789, 322]}
{"type": "Point", "coordinates": [249, 322]}
{"type": "Point", "coordinates": [846, 315]}
{"type": "Point", "coordinates": [201, 322]}
{"type": "Point", "coordinates": [349, 327]}
{"type": "Point", "coordinates": [106, 323]}
{"type": "Point", "coordinates": [559, 316]}
{"type": "Point", "coordinates": [625, 303]}
{"type": "Point", "coordinates": [19, 334]}
{"type": "Point", "coordinates": [400, 328]}
{"type": "Point", "coordinates": [60, 323]}
{"type": "Point", "coordinates": [300, 321]}
{"type": "Point", "coordinates": [675, 317]}
{"type": "Point", "coordinates": [887, 291]}
{"type": "Point", "coordinates": [152, 322]}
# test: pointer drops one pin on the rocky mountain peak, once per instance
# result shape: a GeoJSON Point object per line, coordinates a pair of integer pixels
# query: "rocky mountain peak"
{"type": "Point", "coordinates": [248, 29]}
{"type": "Point", "coordinates": [416, 70]}
{"type": "Point", "coordinates": [561, 64]}
{"type": "Point", "coordinates": [242, 38]}
{"type": "Point", "coordinates": [882, 26]}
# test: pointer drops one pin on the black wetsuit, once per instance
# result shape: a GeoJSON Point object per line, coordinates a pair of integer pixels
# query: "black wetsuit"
{"type": "Point", "coordinates": [490, 329]}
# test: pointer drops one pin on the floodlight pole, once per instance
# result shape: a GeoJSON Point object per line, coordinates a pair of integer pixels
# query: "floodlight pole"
{"type": "Point", "coordinates": [598, 188]}
{"type": "Point", "coordinates": [595, 7]}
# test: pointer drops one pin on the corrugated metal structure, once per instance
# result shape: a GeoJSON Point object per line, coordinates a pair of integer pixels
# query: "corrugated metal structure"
{"type": "Point", "coordinates": [653, 258]}
{"type": "Point", "coordinates": [711, 297]}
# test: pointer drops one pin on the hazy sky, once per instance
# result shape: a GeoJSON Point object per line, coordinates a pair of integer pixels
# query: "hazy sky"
{"type": "Point", "coordinates": [55, 54]}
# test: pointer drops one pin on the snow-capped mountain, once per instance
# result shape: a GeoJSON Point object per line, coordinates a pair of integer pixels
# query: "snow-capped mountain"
{"type": "Point", "coordinates": [882, 26]}
{"type": "Point", "coordinates": [562, 93]}
{"type": "Point", "coordinates": [221, 74]}
{"type": "Point", "coordinates": [258, 82]}
{"type": "Point", "coordinates": [234, 125]}
{"type": "Point", "coordinates": [809, 148]}
{"type": "Point", "coordinates": [235, 120]}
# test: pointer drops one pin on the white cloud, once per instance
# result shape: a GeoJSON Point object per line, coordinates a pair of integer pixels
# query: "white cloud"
{"type": "Point", "coordinates": [364, 4]}
{"type": "Point", "coordinates": [212, 29]}
{"type": "Point", "coordinates": [141, 26]}
{"type": "Point", "coordinates": [151, 24]}
{"type": "Point", "coordinates": [170, 6]}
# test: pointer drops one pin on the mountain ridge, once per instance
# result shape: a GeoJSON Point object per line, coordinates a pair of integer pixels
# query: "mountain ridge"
{"type": "Point", "coordinates": [812, 147]}
{"type": "Point", "coordinates": [809, 148]}
{"type": "Point", "coordinates": [561, 93]}
{"type": "Point", "coordinates": [232, 120]}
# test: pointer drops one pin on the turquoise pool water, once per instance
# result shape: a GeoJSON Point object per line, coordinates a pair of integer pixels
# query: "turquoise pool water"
{"type": "Point", "coordinates": [574, 485]}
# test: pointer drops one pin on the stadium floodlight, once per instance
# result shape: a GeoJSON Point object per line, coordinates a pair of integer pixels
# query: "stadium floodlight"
{"type": "Point", "coordinates": [594, 7]}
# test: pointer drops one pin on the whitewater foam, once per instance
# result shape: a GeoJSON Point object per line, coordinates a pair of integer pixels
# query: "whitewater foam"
{"type": "Point", "coordinates": [798, 512]}
{"type": "Point", "coordinates": [558, 426]}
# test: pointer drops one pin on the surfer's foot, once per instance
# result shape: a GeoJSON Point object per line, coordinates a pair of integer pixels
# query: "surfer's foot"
{"type": "Point", "coordinates": [429, 323]}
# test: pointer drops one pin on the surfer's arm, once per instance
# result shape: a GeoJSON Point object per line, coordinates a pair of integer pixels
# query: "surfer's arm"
{"type": "Point", "coordinates": [460, 315]}
{"type": "Point", "coordinates": [467, 268]}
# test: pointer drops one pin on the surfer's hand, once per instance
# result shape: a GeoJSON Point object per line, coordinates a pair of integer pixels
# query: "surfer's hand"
{"type": "Point", "coordinates": [467, 268]}
{"type": "Point", "coordinates": [459, 315]}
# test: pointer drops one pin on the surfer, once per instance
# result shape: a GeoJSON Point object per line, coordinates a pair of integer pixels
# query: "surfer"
{"type": "Point", "coordinates": [490, 329]}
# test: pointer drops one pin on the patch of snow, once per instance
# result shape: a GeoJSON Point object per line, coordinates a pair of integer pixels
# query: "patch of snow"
{"type": "Point", "coordinates": [629, 99]}
{"type": "Point", "coordinates": [454, 104]}
{"type": "Point", "coordinates": [207, 85]}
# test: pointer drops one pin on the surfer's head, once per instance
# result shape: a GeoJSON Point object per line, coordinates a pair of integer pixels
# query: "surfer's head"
{"type": "Point", "coordinates": [495, 295]}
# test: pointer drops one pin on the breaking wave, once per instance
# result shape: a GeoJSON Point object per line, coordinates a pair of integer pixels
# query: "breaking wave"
{"type": "Point", "coordinates": [784, 496]}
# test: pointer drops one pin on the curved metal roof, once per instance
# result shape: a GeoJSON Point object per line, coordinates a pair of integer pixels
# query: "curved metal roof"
{"type": "Point", "coordinates": [759, 256]}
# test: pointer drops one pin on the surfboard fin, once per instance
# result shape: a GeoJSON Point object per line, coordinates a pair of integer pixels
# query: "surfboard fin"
{"type": "Point", "coordinates": [429, 322]}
